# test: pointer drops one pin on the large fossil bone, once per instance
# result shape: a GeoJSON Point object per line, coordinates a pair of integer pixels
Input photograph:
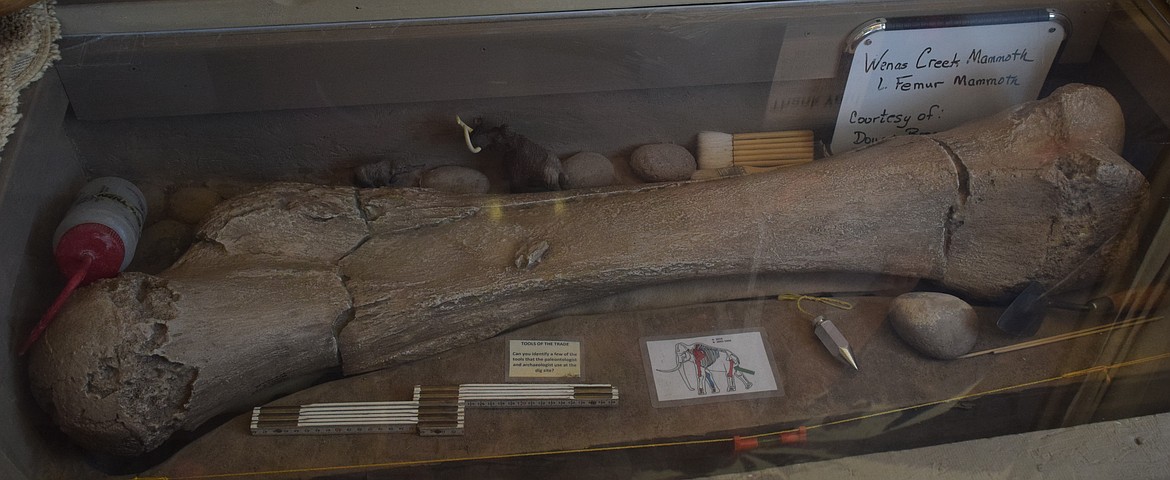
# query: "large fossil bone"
{"type": "Point", "coordinates": [295, 280]}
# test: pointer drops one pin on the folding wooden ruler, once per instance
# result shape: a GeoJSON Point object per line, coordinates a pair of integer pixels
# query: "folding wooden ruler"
{"type": "Point", "coordinates": [522, 395]}
{"type": "Point", "coordinates": [435, 410]}
{"type": "Point", "coordinates": [429, 418]}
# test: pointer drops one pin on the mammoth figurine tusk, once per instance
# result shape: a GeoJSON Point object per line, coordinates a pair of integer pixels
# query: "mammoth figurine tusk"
{"type": "Point", "coordinates": [467, 135]}
{"type": "Point", "coordinates": [293, 281]}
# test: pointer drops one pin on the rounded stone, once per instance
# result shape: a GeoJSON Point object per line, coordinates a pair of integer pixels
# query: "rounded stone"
{"type": "Point", "coordinates": [191, 205]}
{"type": "Point", "coordinates": [162, 243]}
{"type": "Point", "coordinates": [662, 162]}
{"type": "Point", "coordinates": [588, 170]}
{"type": "Point", "coordinates": [936, 324]}
{"type": "Point", "coordinates": [372, 175]}
{"type": "Point", "coordinates": [156, 202]}
{"type": "Point", "coordinates": [455, 179]}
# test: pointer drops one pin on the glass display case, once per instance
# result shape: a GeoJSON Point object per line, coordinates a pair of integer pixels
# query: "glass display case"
{"type": "Point", "coordinates": [612, 239]}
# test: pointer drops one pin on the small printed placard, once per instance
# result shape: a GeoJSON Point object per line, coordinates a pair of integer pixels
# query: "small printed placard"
{"type": "Point", "coordinates": [728, 365]}
{"type": "Point", "coordinates": [544, 359]}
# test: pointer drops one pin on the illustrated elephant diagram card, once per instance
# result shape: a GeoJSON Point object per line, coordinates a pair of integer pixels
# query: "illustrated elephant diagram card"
{"type": "Point", "coordinates": [728, 365]}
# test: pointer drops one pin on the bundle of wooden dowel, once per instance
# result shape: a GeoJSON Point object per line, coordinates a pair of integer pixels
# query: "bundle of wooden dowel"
{"type": "Point", "coordinates": [723, 154]}
{"type": "Point", "coordinates": [435, 410]}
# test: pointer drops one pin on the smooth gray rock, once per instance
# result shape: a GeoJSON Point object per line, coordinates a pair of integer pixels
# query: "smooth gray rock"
{"type": "Point", "coordinates": [380, 174]}
{"type": "Point", "coordinates": [455, 179]}
{"type": "Point", "coordinates": [588, 170]}
{"type": "Point", "coordinates": [936, 324]}
{"type": "Point", "coordinates": [662, 162]}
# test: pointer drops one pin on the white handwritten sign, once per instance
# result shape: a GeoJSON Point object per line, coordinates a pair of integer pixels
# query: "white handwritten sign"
{"type": "Point", "coordinates": [925, 80]}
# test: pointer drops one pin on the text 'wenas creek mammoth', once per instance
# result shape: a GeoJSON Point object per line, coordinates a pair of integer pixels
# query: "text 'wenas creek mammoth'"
{"type": "Point", "coordinates": [295, 280]}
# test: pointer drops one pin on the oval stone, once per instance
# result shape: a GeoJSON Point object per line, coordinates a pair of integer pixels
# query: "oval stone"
{"type": "Point", "coordinates": [938, 325]}
{"type": "Point", "coordinates": [156, 202]}
{"type": "Point", "coordinates": [162, 243]}
{"type": "Point", "coordinates": [588, 170]}
{"type": "Point", "coordinates": [662, 162]}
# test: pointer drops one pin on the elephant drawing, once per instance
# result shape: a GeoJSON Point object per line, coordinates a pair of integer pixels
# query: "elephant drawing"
{"type": "Point", "coordinates": [707, 360]}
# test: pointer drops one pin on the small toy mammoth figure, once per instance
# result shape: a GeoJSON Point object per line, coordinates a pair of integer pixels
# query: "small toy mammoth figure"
{"type": "Point", "coordinates": [531, 167]}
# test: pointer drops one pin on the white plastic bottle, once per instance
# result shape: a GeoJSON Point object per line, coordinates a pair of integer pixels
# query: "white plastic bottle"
{"type": "Point", "coordinates": [96, 239]}
{"type": "Point", "coordinates": [105, 224]}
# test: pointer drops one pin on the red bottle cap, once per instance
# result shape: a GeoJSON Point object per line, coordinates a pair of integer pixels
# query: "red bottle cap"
{"type": "Point", "coordinates": [98, 241]}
